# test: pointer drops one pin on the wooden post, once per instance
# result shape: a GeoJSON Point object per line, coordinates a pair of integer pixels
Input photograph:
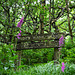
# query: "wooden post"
{"type": "Point", "coordinates": [19, 58]}
{"type": "Point", "coordinates": [17, 61]}
{"type": "Point", "coordinates": [56, 54]}
{"type": "Point", "coordinates": [56, 51]}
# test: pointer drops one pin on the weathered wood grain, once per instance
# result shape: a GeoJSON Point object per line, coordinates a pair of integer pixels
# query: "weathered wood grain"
{"type": "Point", "coordinates": [38, 41]}
{"type": "Point", "coordinates": [37, 45]}
{"type": "Point", "coordinates": [38, 37]}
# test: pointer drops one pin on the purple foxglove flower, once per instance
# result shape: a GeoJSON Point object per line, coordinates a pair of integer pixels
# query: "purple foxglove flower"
{"type": "Point", "coordinates": [62, 63]}
{"type": "Point", "coordinates": [63, 67]}
{"type": "Point", "coordinates": [20, 31]}
{"type": "Point", "coordinates": [59, 48]}
{"type": "Point", "coordinates": [18, 35]}
{"type": "Point", "coordinates": [61, 41]}
{"type": "Point", "coordinates": [20, 23]}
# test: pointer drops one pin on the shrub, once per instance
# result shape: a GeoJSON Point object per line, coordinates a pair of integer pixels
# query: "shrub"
{"type": "Point", "coordinates": [47, 69]}
{"type": "Point", "coordinates": [6, 58]}
{"type": "Point", "coordinates": [37, 56]}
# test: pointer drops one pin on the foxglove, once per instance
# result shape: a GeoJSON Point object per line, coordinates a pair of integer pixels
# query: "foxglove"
{"type": "Point", "coordinates": [20, 23]}
{"type": "Point", "coordinates": [18, 35]}
{"type": "Point", "coordinates": [63, 67]}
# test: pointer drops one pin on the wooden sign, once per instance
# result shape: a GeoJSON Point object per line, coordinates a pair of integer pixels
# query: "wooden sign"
{"type": "Point", "coordinates": [38, 37]}
{"type": "Point", "coordinates": [38, 41]}
{"type": "Point", "coordinates": [38, 45]}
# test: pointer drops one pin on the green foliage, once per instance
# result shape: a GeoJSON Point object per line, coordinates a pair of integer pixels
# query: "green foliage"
{"type": "Point", "coordinates": [11, 13]}
{"type": "Point", "coordinates": [37, 56]}
{"type": "Point", "coordinates": [69, 44]}
{"type": "Point", "coordinates": [46, 69]}
{"type": "Point", "coordinates": [6, 58]}
{"type": "Point", "coordinates": [68, 53]}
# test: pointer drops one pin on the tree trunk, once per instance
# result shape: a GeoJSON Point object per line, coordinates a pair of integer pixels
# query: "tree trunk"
{"type": "Point", "coordinates": [41, 27]}
{"type": "Point", "coordinates": [50, 17]}
{"type": "Point", "coordinates": [56, 51]}
{"type": "Point", "coordinates": [70, 30]}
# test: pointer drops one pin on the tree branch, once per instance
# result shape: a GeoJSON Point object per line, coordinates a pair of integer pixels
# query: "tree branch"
{"type": "Point", "coordinates": [70, 31]}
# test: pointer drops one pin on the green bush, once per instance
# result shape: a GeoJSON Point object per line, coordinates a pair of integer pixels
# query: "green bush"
{"type": "Point", "coordinates": [69, 44]}
{"type": "Point", "coordinates": [37, 56]}
{"type": "Point", "coordinates": [70, 55]}
{"type": "Point", "coordinates": [6, 58]}
{"type": "Point", "coordinates": [47, 69]}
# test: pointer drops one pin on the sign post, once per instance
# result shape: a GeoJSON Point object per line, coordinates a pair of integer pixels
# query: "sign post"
{"type": "Point", "coordinates": [38, 41]}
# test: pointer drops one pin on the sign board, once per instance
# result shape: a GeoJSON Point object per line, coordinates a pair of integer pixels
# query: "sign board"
{"type": "Point", "coordinates": [38, 37]}
{"type": "Point", "coordinates": [38, 41]}
{"type": "Point", "coordinates": [38, 45]}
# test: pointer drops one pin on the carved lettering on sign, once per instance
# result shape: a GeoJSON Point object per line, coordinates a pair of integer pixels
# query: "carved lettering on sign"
{"type": "Point", "coordinates": [38, 37]}
{"type": "Point", "coordinates": [38, 41]}
{"type": "Point", "coordinates": [37, 45]}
